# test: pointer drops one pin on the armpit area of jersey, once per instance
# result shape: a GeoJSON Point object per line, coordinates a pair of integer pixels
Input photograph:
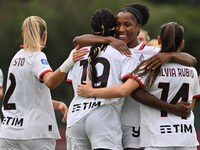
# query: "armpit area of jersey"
{"type": "Point", "coordinates": [125, 78]}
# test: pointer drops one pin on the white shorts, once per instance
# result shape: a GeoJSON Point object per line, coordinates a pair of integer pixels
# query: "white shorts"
{"type": "Point", "coordinates": [130, 137]}
{"type": "Point", "coordinates": [171, 148]}
{"type": "Point", "coordinates": [35, 144]}
{"type": "Point", "coordinates": [101, 129]}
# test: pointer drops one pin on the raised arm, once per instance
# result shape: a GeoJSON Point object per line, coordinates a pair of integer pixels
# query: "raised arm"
{"type": "Point", "coordinates": [184, 58]}
{"type": "Point", "coordinates": [161, 58]}
{"type": "Point", "coordinates": [90, 39]}
{"type": "Point", "coordinates": [53, 79]}
{"type": "Point", "coordinates": [182, 109]}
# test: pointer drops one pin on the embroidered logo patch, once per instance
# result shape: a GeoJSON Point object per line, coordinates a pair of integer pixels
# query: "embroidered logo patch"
{"type": "Point", "coordinates": [44, 62]}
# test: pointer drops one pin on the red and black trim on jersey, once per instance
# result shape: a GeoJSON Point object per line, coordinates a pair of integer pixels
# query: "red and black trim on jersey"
{"type": "Point", "coordinates": [196, 96]}
{"type": "Point", "coordinates": [124, 78]}
{"type": "Point", "coordinates": [69, 81]}
{"type": "Point", "coordinates": [142, 46]}
{"type": "Point", "coordinates": [41, 74]}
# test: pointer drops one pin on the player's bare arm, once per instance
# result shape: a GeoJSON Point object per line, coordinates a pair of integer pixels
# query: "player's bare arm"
{"type": "Point", "coordinates": [108, 92]}
{"type": "Point", "coordinates": [90, 39]}
{"type": "Point", "coordinates": [182, 109]}
{"type": "Point", "coordinates": [53, 79]}
{"type": "Point", "coordinates": [161, 58]}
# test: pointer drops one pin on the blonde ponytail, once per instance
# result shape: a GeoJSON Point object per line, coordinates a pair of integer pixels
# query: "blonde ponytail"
{"type": "Point", "coordinates": [33, 29]}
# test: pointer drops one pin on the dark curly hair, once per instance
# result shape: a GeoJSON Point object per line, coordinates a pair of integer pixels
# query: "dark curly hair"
{"type": "Point", "coordinates": [103, 23]}
{"type": "Point", "coordinates": [139, 11]}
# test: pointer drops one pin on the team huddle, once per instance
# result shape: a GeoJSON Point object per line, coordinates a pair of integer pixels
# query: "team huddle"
{"type": "Point", "coordinates": [128, 95]}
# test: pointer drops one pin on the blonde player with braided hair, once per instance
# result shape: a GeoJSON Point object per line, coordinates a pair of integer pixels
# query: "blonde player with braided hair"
{"type": "Point", "coordinates": [29, 121]}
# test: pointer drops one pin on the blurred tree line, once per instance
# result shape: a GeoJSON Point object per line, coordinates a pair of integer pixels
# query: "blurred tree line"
{"type": "Point", "coordinates": [69, 18]}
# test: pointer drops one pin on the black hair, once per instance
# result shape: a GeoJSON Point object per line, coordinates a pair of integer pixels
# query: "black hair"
{"type": "Point", "coordinates": [103, 23]}
{"type": "Point", "coordinates": [138, 11]}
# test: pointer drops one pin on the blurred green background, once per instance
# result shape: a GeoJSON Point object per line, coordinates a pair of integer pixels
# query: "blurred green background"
{"type": "Point", "coordinates": [69, 18]}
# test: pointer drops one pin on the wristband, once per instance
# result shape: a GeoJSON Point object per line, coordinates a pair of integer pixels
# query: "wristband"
{"type": "Point", "coordinates": [68, 63]}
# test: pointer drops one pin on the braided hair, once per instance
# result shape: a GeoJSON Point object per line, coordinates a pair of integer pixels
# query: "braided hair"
{"type": "Point", "coordinates": [103, 23]}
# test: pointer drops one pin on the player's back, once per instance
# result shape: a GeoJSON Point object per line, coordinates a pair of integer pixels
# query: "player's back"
{"type": "Point", "coordinates": [27, 102]}
{"type": "Point", "coordinates": [111, 68]}
{"type": "Point", "coordinates": [174, 83]}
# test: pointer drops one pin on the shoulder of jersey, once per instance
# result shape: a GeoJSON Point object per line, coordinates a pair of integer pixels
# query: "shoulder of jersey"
{"type": "Point", "coordinates": [113, 50]}
{"type": "Point", "coordinates": [145, 48]}
{"type": "Point", "coordinates": [88, 47]}
{"type": "Point", "coordinates": [22, 47]}
{"type": "Point", "coordinates": [153, 48]}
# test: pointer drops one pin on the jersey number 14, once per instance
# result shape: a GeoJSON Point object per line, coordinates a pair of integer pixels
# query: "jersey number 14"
{"type": "Point", "coordinates": [181, 94]}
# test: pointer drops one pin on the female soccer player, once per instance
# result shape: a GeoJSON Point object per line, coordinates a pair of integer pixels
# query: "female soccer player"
{"type": "Point", "coordinates": [172, 83]}
{"type": "Point", "coordinates": [29, 121]}
{"type": "Point", "coordinates": [94, 123]}
{"type": "Point", "coordinates": [129, 22]}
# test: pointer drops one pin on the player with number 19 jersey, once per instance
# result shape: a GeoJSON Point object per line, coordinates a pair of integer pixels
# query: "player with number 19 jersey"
{"type": "Point", "coordinates": [174, 83]}
{"type": "Point", "coordinates": [28, 107]}
{"type": "Point", "coordinates": [111, 67]}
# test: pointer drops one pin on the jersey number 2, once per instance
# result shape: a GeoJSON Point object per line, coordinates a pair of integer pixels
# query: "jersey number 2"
{"type": "Point", "coordinates": [10, 90]}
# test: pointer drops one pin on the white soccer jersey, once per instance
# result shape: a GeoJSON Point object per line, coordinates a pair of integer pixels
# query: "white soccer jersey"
{"type": "Point", "coordinates": [130, 110]}
{"type": "Point", "coordinates": [111, 69]}
{"type": "Point", "coordinates": [174, 83]}
{"type": "Point", "coordinates": [1, 78]}
{"type": "Point", "coordinates": [27, 107]}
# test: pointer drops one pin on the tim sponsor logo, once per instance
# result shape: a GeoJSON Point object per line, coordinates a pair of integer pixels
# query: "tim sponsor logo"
{"type": "Point", "coordinates": [12, 121]}
{"type": "Point", "coordinates": [85, 106]}
{"type": "Point", "coordinates": [176, 128]}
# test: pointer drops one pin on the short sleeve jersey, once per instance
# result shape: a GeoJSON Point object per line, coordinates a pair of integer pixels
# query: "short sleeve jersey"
{"type": "Point", "coordinates": [27, 108]}
{"type": "Point", "coordinates": [1, 78]}
{"type": "Point", "coordinates": [130, 111]}
{"type": "Point", "coordinates": [174, 83]}
{"type": "Point", "coordinates": [111, 67]}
